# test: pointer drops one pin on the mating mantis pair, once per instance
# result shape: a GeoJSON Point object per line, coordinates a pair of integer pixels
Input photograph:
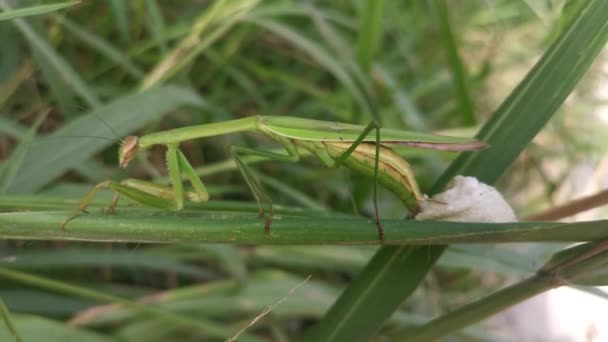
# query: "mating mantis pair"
{"type": "Point", "coordinates": [334, 144]}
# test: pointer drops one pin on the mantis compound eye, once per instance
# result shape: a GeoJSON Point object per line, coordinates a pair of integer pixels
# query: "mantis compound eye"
{"type": "Point", "coordinates": [128, 149]}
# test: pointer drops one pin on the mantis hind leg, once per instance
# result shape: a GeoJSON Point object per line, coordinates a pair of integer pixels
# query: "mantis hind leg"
{"type": "Point", "coordinates": [371, 126]}
{"type": "Point", "coordinates": [258, 192]}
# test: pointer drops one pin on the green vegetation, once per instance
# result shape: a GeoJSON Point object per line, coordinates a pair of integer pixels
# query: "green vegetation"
{"type": "Point", "coordinates": [75, 78]}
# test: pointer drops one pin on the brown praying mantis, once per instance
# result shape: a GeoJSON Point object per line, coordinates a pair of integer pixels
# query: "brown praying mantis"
{"type": "Point", "coordinates": [333, 143]}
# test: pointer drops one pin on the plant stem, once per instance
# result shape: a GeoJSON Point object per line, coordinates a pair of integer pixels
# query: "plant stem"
{"type": "Point", "coordinates": [189, 226]}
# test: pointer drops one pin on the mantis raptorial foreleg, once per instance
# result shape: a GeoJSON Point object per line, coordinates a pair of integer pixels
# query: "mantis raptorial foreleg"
{"type": "Point", "coordinates": [147, 193]}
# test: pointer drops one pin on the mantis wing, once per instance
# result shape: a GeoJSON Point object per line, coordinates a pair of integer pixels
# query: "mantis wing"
{"type": "Point", "coordinates": [316, 130]}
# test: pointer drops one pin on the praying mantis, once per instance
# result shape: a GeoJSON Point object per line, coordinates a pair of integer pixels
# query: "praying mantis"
{"type": "Point", "coordinates": [333, 143]}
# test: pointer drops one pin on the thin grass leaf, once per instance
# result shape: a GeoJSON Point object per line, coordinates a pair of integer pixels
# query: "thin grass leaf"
{"type": "Point", "coordinates": [481, 258]}
{"type": "Point", "coordinates": [457, 68]}
{"type": "Point", "coordinates": [10, 325]}
{"type": "Point", "coordinates": [11, 128]}
{"type": "Point", "coordinates": [9, 14]}
{"type": "Point", "coordinates": [86, 258]}
{"type": "Point", "coordinates": [43, 203]}
{"type": "Point", "coordinates": [411, 116]}
{"type": "Point", "coordinates": [37, 329]}
{"type": "Point", "coordinates": [208, 28]}
{"type": "Point", "coordinates": [100, 45]}
{"type": "Point", "coordinates": [61, 92]}
{"type": "Point", "coordinates": [109, 314]}
{"type": "Point", "coordinates": [382, 286]}
{"type": "Point", "coordinates": [485, 307]}
{"type": "Point", "coordinates": [345, 55]}
{"type": "Point", "coordinates": [121, 12]}
{"type": "Point", "coordinates": [156, 24]}
{"type": "Point", "coordinates": [17, 77]}
{"type": "Point", "coordinates": [39, 302]}
{"type": "Point", "coordinates": [370, 33]}
{"type": "Point", "coordinates": [15, 162]}
{"type": "Point", "coordinates": [202, 326]}
{"type": "Point", "coordinates": [315, 50]}
{"type": "Point", "coordinates": [230, 260]}
{"type": "Point", "coordinates": [67, 73]}
{"type": "Point", "coordinates": [329, 258]}
{"type": "Point", "coordinates": [81, 138]}
{"type": "Point", "coordinates": [298, 196]}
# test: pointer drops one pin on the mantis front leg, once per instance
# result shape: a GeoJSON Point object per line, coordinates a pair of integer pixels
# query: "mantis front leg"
{"type": "Point", "coordinates": [150, 194]}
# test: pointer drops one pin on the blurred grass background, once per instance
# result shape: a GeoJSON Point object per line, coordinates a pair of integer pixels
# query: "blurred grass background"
{"type": "Point", "coordinates": [145, 66]}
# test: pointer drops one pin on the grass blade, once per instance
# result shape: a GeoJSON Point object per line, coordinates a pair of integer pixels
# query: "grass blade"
{"type": "Point", "coordinates": [203, 326]}
{"type": "Point", "coordinates": [15, 162]}
{"type": "Point", "coordinates": [8, 321]}
{"type": "Point", "coordinates": [459, 74]}
{"type": "Point", "coordinates": [89, 257]}
{"type": "Point", "coordinates": [208, 28]}
{"type": "Point", "coordinates": [61, 151]}
{"type": "Point", "coordinates": [35, 10]}
{"type": "Point", "coordinates": [156, 24]}
{"type": "Point", "coordinates": [383, 284]}
{"type": "Point", "coordinates": [487, 306]}
{"type": "Point", "coordinates": [41, 46]}
{"type": "Point", "coordinates": [370, 33]}
{"type": "Point", "coordinates": [323, 57]}
{"type": "Point", "coordinates": [100, 45]}
{"type": "Point", "coordinates": [121, 12]}
{"type": "Point", "coordinates": [212, 226]}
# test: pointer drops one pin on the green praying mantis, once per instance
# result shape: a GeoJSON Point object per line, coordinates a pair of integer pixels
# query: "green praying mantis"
{"type": "Point", "coordinates": [333, 143]}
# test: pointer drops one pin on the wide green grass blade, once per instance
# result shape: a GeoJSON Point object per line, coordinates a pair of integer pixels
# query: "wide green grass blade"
{"type": "Point", "coordinates": [80, 139]}
{"type": "Point", "coordinates": [209, 226]}
{"type": "Point", "coordinates": [395, 272]}
{"type": "Point", "coordinates": [35, 10]}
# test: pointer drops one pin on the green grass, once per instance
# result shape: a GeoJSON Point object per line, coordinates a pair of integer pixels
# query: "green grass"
{"type": "Point", "coordinates": [76, 79]}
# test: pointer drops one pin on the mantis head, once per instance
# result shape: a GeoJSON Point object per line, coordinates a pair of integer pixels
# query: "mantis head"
{"type": "Point", "coordinates": [128, 149]}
